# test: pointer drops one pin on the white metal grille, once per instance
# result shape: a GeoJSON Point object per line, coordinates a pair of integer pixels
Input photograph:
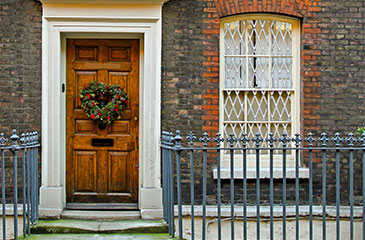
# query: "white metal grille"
{"type": "Point", "coordinates": [258, 89]}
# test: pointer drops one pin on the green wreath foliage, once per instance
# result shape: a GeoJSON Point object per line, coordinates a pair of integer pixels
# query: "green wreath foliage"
{"type": "Point", "coordinates": [93, 95]}
{"type": "Point", "coordinates": [361, 130]}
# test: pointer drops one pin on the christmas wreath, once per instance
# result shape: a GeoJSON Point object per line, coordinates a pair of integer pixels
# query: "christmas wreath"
{"type": "Point", "coordinates": [103, 103]}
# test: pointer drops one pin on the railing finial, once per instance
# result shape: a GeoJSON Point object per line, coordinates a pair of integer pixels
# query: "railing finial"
{"type": "Point", "coordinates": [3, 139]}
{"type": "Point", "coordinates": [205, 139]}
{"type": "Point", "coordinates": [245, 139]}
{"type": "Point", "coordinates": [284, 139]}
{"type": "Point", "coordinates": [31, 136]}
{"type": "Point", "coordinates": [165, 137]}
{"type": "Point", "coordinates": [310, 139]}
{"type": "Point", "coordinates": [191, 137]}
{"type": "Point", "coordinates": [351, 139]}
{"type": "Point", "coordinates": [297, 139]}
{"type": "Point", "coordinates": [14, 138]}
{"type": "Point", "coordinates": [27, 138]}
{"type": "Point", "coordinates": [271, 139]}
{"type": "Point", "coordinates": [323, 139]}
{"type": "Point", "coordinates": [337, 139]}
{"type": "Point", "coordinates": [231, 140]}
{"type": "Point", "coordinates": [218, 139]}
{"type": "Point", "coordinates": [178, 139]}
{"type": "Point", "coordinates": [257, 139]}
{"type": "Point", "coordinates": [22, 139]}
{"type": "Point", "coordinates": [36, 137]}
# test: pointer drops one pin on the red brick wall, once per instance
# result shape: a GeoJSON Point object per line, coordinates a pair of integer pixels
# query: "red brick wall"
{"type": "Point", "coordinates": [216, 9]}
{"type": "Point", "coordinates": [332, 79]}
{"type": "Point", "coordinates": [288, 7]}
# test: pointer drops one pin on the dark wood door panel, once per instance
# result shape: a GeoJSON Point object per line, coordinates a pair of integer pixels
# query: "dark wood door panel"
{"type": "Point", "coordinates": [102, 174]}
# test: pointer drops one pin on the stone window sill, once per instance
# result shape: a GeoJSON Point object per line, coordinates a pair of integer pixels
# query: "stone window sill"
{"type": "Point", "coordinates": [264, 173]}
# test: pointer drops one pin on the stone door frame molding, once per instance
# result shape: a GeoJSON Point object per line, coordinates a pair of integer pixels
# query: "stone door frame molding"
{"type": "Point", "coordinates": [101, 19]}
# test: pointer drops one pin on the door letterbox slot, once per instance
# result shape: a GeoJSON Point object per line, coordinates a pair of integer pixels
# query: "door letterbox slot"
{"type": "Point", "coordinates": [102, 142]}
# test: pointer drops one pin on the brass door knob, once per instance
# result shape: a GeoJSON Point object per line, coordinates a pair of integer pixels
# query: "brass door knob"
{"type": "Point", "coordinates": [135, 118]}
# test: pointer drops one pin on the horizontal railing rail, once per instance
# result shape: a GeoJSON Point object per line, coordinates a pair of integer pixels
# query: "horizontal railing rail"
{"type": "Point", "coordinates": [27, 146]}
{"type": "Point", "coordinates": [333, 158]}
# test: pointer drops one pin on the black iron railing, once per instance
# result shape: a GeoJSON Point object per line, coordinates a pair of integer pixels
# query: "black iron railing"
{"type": "Point", "coordinates": [27, 151]}
{"type": "Point", "coordinates": [329, 161]}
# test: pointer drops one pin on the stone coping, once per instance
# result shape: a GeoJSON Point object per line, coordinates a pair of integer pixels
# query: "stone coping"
{"type": "Point", "coordinates": [212, 211]}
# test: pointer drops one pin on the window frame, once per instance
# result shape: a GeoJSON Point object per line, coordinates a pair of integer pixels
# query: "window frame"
{"type": "Point", "coordinates": [295, 101]}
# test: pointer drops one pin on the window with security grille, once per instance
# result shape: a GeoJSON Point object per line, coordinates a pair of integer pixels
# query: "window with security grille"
{"type": "Point", "coordinates": [259, 76]}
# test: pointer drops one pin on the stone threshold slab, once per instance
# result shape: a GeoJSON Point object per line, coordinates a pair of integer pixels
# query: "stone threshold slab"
{"type": "Point", "coordinates": [100, 215]}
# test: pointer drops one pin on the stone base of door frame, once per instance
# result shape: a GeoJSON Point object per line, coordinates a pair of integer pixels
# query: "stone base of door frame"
{"type": "Point", "coordinates": [52, 203]}
{"type": "Point", "coordinates": [151, 203]}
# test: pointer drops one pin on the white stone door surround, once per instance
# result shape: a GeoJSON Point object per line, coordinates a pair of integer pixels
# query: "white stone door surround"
{"type": "Point", "coordinates": [64, 19]}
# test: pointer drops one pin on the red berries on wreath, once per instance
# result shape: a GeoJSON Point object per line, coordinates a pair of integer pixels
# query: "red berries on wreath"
{"type": "Point", "coordinates": [98, 98]}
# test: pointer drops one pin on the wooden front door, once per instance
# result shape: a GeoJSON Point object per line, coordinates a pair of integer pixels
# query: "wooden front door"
{"type": "Point", "coordinates": [102, 174]}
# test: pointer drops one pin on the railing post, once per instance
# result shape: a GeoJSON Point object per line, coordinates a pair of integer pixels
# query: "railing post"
{"type": "Point", "coordinates": [164, 176]}
{"type": "Point", "coordinates": [310, 139]}
{"type": "Point", "coordinates": [23, 142]}
{"type": "Point", "coordinates": [338, 140]}
{"type": "Point", "coordinates": [218, 140]}
{"type": "Point", "coordinates": [232, 140]}
{"type": "Point", "coordinates": [324, 139]}
{"type": "Point", "coordinates": [285, 140]}
{"type": "Point", "coordinates": [3, 140]}
{"type": "Point", "coordinates": [205, 141]}
{"type": "Point", "coordinates": [257, 139]}
{"type": "Point", "coordinates": [362, 140]}
{"type": "Point", "coordinates": [297, 141]}
{"type": "Point", "coordinates": [351, 140]}
{"type": "Point", "coordinates": [244, 141]}
{"type": "Point", "coordinates": [172, 184]}
{"type": "Point", "coordinates": [36, 174]}
{"type": "Point", "coordinates": [27, 140]}
{"type": "Point", "coordinates": [32, 177]}
{"type": "Point", "coordinates": [178, 147]}
{"type": "Point", "coordinates": [271, 141]}
{"type": "Point", "coordinates": [15, 149]}
{"type": "Point", "coordinates": [191, 137]}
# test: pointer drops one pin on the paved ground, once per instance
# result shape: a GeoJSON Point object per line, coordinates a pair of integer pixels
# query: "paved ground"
{"type": "Point", "coordinates": [99, 237]}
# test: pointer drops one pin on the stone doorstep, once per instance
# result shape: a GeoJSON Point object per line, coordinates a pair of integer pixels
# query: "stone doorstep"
{"type": "Point", "coordinates": [100, 215]}
{"type": "Point", "coordinates": [74, 226]}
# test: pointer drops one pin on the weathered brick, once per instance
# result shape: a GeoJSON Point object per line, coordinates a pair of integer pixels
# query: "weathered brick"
{"type": "Point", "coordinates": [20, 71]}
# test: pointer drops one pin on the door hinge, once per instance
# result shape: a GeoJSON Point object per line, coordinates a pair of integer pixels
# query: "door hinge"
{"type": "Point", "coordinates": [63, 87]}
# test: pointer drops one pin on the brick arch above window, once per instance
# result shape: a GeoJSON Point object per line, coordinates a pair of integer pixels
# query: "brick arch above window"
{"type": "Point", "coordinates": [296, 8]}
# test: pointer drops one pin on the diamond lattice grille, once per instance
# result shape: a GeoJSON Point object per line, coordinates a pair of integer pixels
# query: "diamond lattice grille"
{"type": "Point", "coordinates": [258, 89]}
{"type": "Point", "coordinates": [235, 77]}
{"type": "Point", "coordinates": [257, 106]}
{"type": "Point", "coordinates": [281, 73]}
{"type": "Point", "coordinates": [234, 39]}
{"type": "Point", "coordinates": [258, 37]}
{"type": "Point", "coordinates": [234, 106]}
{"type": "Point", "coordinates": [280, 106]}
{"type": "Point", "coordinates": [281, 38]}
